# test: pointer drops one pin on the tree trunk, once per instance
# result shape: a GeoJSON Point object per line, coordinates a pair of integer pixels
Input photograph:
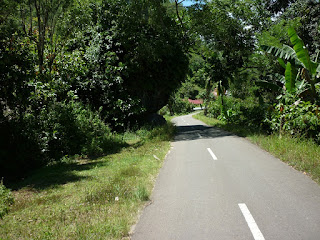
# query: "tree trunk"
{"type": "Point", "coordinates": [207, 97]}
{"type": "Point", "coordinates": [221, 94]}
{"type": "Point", "coordinates": [42, 32]}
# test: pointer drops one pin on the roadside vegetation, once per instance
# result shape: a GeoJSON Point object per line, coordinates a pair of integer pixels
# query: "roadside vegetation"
{"type": "Point", "coordinates": [85, 198]}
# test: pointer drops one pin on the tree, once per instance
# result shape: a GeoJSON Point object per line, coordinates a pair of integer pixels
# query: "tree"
{"type": "Point", "coordinates": [297, 57]}
{"type": "Point", "coordinates": [214, 23]}
{"type": "Point", "coordinates": [308, 14]}
{"type": "Point", "coordinates": [146, 43]}
{"type": "Point", "coordinates": [38, 21]}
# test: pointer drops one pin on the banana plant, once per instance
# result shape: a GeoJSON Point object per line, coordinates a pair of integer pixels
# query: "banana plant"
{"type": "Point", "coordinates": [299, 64]}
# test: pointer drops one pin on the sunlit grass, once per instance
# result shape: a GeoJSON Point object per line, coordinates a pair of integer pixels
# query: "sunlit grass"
{"type": "Point", "coordinates": [302, 154]}
{"type": "Point", "coordinates": [89, 199]}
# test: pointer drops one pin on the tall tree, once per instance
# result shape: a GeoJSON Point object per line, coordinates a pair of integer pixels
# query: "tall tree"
{"type": "Point", "coordinates": [39, 19]}
{"type": "Point", "coordinates": [148, 43]}
{"type": "Point", "coordinates": [227, 40]}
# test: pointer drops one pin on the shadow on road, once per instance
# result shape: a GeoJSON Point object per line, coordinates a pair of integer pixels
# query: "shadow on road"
{"type": "Point", "coordinates": [193, 132]}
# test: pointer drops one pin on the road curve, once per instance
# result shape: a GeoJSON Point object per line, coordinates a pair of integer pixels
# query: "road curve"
{"type": "Point", "coordinates": [215, 185]}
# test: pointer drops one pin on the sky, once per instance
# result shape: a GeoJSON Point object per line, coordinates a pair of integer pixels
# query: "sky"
{"type": "Point", "coordinates": [187, 3]}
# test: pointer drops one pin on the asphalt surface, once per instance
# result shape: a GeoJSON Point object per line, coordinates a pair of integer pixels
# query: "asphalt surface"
{"type": "Point", "coordinates": [235, 190]}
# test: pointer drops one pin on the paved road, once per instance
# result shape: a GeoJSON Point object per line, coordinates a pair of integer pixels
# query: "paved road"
{"type": "Point", "coordinates": [214, 185]}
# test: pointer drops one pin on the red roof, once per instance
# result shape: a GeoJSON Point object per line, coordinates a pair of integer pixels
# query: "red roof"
{"type": "Point", "coordinates": [196, 101]}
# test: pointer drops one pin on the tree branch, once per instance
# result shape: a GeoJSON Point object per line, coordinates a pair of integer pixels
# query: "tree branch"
{"type": "Point", "coordinates": [177, 11]}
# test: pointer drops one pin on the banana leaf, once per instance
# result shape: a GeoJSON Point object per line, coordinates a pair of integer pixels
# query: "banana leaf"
{"type": "Point", "coordinates": [301, 51]}
{"type": "Point", "coordinates": [286, 53]}
{"type": "Point", "coordinates": [268, 85]}
{"type": "Point", "coordinates": [290, 76]}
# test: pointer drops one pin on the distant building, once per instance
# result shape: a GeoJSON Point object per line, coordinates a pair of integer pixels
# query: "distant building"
{"type": "Point", "coordinates": [196, 101]}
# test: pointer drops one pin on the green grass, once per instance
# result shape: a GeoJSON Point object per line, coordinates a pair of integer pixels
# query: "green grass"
{"type": "Point", "coordinates": [169, 117]}
{"type": "Point", "coordinates": [88, 199]}
{"type": "Point", "coordinates": [302, 154]}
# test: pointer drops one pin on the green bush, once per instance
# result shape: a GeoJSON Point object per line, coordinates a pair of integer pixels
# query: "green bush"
{"type": "Point", "coordinates": [254, 113]}
{"type": "Point", "coordinates": [6, 199]}
{"type": "Point", "coordinates": [47, 134]}
{"type": "Point", "coordinates": [178, 105]}
{"type": "Point", "coordinates": [164, 111]}
{"type": "Point", "coordinates": [72, 128]}
{"type": "Point", "coordinates": [214, 109]}
{"type": "Point", "coordinates": [67, 128]}
{"type": "Point", "coordinates": [235, 110]}
{"type": "Point", "coordinates": [230, 111]}
{"type": "Point", "coordinates": [297, 118]}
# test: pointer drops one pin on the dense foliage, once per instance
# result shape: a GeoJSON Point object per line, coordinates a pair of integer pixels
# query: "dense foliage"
{"type": "Point", "coordinates": [72, 72]}
{"type": "Point", "coordinates": [296, 118]}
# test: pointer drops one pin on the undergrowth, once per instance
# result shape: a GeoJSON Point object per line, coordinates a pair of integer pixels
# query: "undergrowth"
{"type": "Point", "coordinates": [6, 199]}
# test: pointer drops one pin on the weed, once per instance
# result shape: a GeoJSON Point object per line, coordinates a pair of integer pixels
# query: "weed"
{"type": "Point", "coordinates": [6, 199]}
{"type": "Point", "coordinates": [142, 193]}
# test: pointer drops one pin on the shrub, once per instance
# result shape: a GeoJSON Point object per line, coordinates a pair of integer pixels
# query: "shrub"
{"type": "Point", "coordinates": [47, 134]}
{"type": "Point", "coordinates": [235, 110]}
{"type": "Point", "coordinates": [254, 113]}
{"type": "Point", "coordinates": [296, 118]}
{"type": "Point", "coordinates": [178, 105]}
{"type": "Point", "coordinates": [214, 109]}
{"type": "Point", "coordinates": [73, 128]}
{"type": "Point", "coordinates": [6, 199]}
{"type": "Point", "coordinates": [67, 128]}
{"type": "Point", "coordinates": [164, 111]}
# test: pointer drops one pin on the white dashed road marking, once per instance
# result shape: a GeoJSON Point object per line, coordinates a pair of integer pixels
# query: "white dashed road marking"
{"type": "Point", "coordinates": [212, 154]}
{"type": "Point", "coordinates": [251, 222]}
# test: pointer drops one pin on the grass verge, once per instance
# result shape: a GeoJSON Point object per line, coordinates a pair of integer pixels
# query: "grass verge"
{"type": "Point", "coordinates": [89, 199]}
{"type": "Point", "coordinates": [302, 154]}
